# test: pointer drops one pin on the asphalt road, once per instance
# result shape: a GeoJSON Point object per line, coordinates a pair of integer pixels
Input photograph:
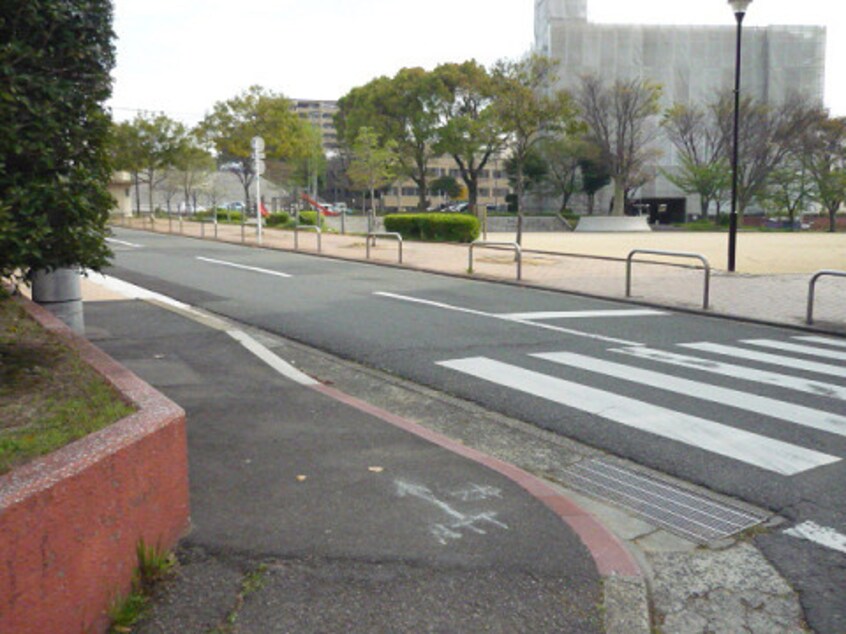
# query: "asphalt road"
{"type": "Point", "coordinates": [755, 412]}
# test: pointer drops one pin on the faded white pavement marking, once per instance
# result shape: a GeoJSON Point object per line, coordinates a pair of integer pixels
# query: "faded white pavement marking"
{"type": "Point", "coordinates": [583, 314]}
{"type": "Point", "coordinates": [282, 367]}
{"type": "Point", "coordinates": [136, 292]}
{"type": "Point", "coordinates": [775, 379]}
{"type": "Point", "coordinates": [243, 267]}
{"type": "Point", "coordinates": [754, 449]}
{"type": "Point", "coordinates": [826, 341]}
{"type": "Point", "coordinates": [774, 359]}
{"type": "Point", "coordinates": [792, 413]}
{"type": "Point", "coordinates": [821, 535]}
{"type": "Point", "coordinates": [792, 347]}
{"type": "Point", "coordinates": [524, 322]}
{"type": "Point", "coordinates": [125, 243]}
{"type": "Point", "coordinates": [458, 521]}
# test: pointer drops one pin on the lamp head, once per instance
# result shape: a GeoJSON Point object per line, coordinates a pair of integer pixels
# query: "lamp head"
{"type": "Point", "coordinates": [739, 6]}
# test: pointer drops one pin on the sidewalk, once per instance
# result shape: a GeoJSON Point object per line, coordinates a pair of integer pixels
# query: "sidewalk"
{"type": "Point", "coordinates": [774, 298]}
{"type": "Point", "coordinates": [313, 511]}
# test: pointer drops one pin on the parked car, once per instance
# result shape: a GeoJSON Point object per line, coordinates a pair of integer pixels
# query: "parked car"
{"type": "Point", "coordinates": [234, 206]}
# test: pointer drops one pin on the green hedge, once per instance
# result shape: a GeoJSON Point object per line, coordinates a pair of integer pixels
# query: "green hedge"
{"type": "Point", "coordinates": [310, 218]}
{"type": "Point", "coordinates": [278, 219]}
{"type": "Point", "coordinates": [223, 215]}
{"type": "Point", "coordinates": [434, 226]}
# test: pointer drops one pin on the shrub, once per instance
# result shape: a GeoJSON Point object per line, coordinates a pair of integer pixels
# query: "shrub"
{"type": "Point", "coordinates": [434, 226]}
{"type": "Point", "coordinates": [278, 219]}
{"type": "Point", "coordinates": [310, 218]}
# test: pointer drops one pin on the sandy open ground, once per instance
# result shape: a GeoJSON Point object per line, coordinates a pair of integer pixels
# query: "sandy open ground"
{"type": "Point", "coordinates": [757, 252]}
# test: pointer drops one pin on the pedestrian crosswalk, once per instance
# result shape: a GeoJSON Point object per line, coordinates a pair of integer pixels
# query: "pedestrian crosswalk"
{"type": "Point", "coordinates": [791, 364]}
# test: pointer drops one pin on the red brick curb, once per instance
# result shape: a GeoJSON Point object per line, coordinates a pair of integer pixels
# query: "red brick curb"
{"type": "Point", "coordinates": [608, 552]}
{"type": "Point", "coordinates": [70, 521]}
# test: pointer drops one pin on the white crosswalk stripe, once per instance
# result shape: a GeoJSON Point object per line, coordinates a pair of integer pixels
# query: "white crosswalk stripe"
{"type": "Point", "coordinates": [786, 346]}
{"type": "Point", "coordinates": [766, 453]}
{"type": "Point", "coordinates": [826, 341]}
{"type": "Point", "coordinates": [799, 384]}
{"type": "Point", "coordinates": [786, 458]}
{"type": "Point", "coordinates": [797, 414]}
{"type": "Point", "coordinates": [764, 357]}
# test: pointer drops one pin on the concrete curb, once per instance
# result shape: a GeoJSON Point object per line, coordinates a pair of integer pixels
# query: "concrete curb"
{"type": "Point", "coordinates": [71, 520]}
{"type": "Point", "coordinates": [625, 590]}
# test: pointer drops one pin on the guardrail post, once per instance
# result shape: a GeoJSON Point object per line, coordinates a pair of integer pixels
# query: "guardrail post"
{"type": "Point", "coordinates": [677, 254]}
{"type": "Point", "coordinates": [386, 234]}
{"type": "Point", "coordinates": [809, 319]}
{"type": "Point", "coordinates": [298, 228]}
{"type": "Point", "coordinates": [518, 254]}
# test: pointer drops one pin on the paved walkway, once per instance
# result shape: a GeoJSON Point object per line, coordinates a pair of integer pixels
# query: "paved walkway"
{"type": "Point", "coordinates": [780, 298]}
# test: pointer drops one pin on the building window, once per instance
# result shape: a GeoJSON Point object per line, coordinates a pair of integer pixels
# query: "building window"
{"type": "Point", "coordinates": [484, 191]}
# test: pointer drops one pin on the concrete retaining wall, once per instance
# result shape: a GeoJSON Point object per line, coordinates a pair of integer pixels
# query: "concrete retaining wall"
{"type": "Point", "coordinates": [70, 521]}
{"type": "Point", "coordinates": [613, 223]}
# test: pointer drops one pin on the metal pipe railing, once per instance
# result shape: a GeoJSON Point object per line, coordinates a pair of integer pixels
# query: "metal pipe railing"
{"type": "Point", "coordinates": [810, 316]}
{"type": "Point", "coordinates": [384, 234]}
{"type": "Point", "coordinates": [518, 253]}
{"type": "Point", "coordinates": [299, 228]}
{"type": "Point", "coordinates": [676, 254]}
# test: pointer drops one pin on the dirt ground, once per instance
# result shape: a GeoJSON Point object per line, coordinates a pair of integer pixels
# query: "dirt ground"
{"type": "Point", "coordinates": [757, 252]}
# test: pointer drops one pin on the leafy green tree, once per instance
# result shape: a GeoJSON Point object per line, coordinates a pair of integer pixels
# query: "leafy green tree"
{"type": "Point", "coordinates": [471, 130]}
{"type": "Point", "coordinates": [827, 164]}
{"type": "Point", "coordinates": [160, 140]}
{"type": "Point", "coordinates": [403, 109]}
{"type": "Point", "coordinates": [445, 185]}
{"type": "Point", "coordinates": [596, 174]}
{"type": "Point", "coordinates": [373, 166]}
{"type": "Point", "coordinates": [563, 155]}
{"type": "Point", "coordinates": [126, 154]}
{"type": "Point", "coordinates": [256, 112]}
{"type": "Point", "coordinates": [620, 121]}
{"type": "Point", "coordinates": [525, 175]}
{"type": "Point", "coordinates": [527, 112]}
{"type": "Point", "coordinates": [55, 59]}
{"type": "Point", "coordinates": [194, 166]}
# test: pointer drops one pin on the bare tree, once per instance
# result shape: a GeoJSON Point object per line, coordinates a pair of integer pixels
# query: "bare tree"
{"type": "Point", "coordinates": [827, 163]}
{"type": "Point", "coordinates": [700, 143]}
{"type": "Point", "coordinates": [621, 123]}
{"type": "Point", "coordinates": [767, 135]}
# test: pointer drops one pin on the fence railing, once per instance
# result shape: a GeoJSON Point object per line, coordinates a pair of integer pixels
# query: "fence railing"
{"type": "Point", "coordinates": [385, 234]}
{"type": "Point", "coordinates": [811, 287]}
{"type": "Point", "coordinates": [299, 228]}
{"type": "Point", "coordinates": [518, 253]}
{"type": "Point", "coordinates": [676, 254]}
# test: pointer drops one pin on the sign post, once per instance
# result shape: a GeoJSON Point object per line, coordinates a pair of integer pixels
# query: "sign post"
{"type": "Point", "coordinates": [257, 143]}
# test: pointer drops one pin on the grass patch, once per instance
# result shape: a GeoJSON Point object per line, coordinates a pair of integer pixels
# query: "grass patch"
{"type": "Point", "coordinates": [154, 565]}
{"type": "Point", "coordinates": [48, 396]}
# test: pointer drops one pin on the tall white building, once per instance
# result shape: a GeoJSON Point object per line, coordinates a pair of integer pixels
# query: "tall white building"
{"type": "Point", "coordinates": [692, 63]}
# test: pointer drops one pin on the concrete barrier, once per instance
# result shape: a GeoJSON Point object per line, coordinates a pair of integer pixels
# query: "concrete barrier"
{"type": "Point", "coordinates": [613, 223]}
{"type": "Point", "coordinates": [70, 521]}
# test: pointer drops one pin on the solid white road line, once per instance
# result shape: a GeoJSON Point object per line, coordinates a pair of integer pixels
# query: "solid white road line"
{"type": "Point", "coordinates": [760, 451]}
{"type": "Point", "coordinates": [821, 535]}
{"type": "Point", "coordinates": [244, 267]}
{"type": "Point", "coordinates": [130, 291]}
{"type": "Point", "coordinates": [826, 341]}
{"type": "Point", "coordinates": [479, 313]}
{"type": "Point", "coordinates": [792, 347]}
{"type": "Point", "coordinates": [583, 314]}
{"type": "Point", "coordinates": [797, 414]}
{"type": "Point", "coordinates": [124, 243]}
{"type": "Point", "coordinates": [282, 367]}
{"type": "Point", "coordinates": [775, 379]}
{"type": "Point", "coordinates": [774, 359]}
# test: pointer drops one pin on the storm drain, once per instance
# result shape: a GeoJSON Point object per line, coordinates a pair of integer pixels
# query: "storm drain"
{"type": "Point", "coordinates": [684, 513]}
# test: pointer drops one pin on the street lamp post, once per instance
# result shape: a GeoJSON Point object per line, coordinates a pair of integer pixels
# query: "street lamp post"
{"type": "Point", "coordinates": [739, 7]}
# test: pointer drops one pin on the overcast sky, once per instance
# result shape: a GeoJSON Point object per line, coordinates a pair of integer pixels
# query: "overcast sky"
{"type": "Point", "coordinates": [181, 56]}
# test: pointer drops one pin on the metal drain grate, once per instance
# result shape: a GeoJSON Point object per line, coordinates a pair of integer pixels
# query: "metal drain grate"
{"type": "Point", "coordinates": [677, 510]}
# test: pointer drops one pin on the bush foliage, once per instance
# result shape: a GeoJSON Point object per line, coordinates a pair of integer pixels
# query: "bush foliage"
{"type": "Point", "coordinates": [310, 218]}
{"type": "Point", "coordinates": [278, 219]}
{"type": "Point", "coordinates": [55, 60]}
{"type": "Point", "coordinates": [434, 226]}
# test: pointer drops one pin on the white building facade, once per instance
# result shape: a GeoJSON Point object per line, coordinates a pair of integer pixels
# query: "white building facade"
{"type": "Point", "coordinates": [693, 64]}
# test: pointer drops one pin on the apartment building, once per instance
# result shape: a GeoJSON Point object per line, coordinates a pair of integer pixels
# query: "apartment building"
{"type": "Point", "coordinates": [321, 114]}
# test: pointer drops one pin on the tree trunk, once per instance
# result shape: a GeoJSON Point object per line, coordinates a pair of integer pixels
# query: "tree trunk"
{"type": "Point", "coordinates": [832, 220]}
{"type": "Point", "coordinates": [151, 175]}
{"type": "Point", "coordinates": [137, 193]}
{"type": "Point", "coordinates": [619, 199]}
{"type": "Point", "coordinates": [520, 191]}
